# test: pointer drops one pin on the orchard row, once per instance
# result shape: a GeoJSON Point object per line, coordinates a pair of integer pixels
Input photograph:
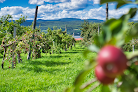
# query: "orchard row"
{"type": "Point", "coordinates": [27, 39]}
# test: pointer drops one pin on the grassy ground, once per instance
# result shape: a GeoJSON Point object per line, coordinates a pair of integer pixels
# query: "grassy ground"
{"type": "Point", "coordinates": [49, 73]}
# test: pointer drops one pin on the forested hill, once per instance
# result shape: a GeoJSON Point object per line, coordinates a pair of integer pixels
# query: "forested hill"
{"type": "Point", "coordinates": [72, 24]}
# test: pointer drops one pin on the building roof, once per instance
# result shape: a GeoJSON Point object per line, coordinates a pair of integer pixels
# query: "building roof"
{"type": "Point", "coordinates": [77, 39]}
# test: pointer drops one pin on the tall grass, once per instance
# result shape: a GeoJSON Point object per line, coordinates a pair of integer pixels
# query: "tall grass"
{"type": "Point", "coordinates": [50, 73]}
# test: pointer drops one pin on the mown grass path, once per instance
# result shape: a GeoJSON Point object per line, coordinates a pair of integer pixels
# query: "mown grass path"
{"type": "Point", "coordinates": [50, 73]}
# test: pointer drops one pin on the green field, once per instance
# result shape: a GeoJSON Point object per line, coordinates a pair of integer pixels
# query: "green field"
{"type": "Point", "coordinates": [50, 73]}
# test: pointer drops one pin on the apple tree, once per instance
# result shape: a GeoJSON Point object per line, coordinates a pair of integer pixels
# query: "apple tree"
{"type": "Point", "coordinates": [88, 31]}
{"type": "Point", "coordinates": [6, 30]}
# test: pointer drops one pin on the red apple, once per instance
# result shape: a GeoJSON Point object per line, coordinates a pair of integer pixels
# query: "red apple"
{"type": "Point", "coordinates": [101, 76]}
{"type": "Point", "coordinates": [112, 60]}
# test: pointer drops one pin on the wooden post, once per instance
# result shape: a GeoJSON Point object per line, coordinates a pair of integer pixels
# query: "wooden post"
{"type": "Point", "coordinates": [98, 29]}
{"type": "Point", "coordinates": [18, 57]}
{"type": "Point", "coordinates": [133, 47]}
{"type": "Point", "coordinates": [107, 11]}
{"type": "Point", "coordinates": [65, 46]}
{"type": "Point", "coordinates": [53, 44]}
{"type": "Point", "coordinates": [73, 34]}
{"type": "Point", "coordinates": [2, 65]}
{"type": "Point", "coordinates": [14, 33]}
{"type": "Point", "coordinates": [34, 24]}
{"type": "Point", "coordinates": [53, 47]}
{"type": "Point", "coordinates": [13, 48]}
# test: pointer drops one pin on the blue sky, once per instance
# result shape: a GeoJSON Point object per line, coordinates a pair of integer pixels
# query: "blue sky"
{"type": "Point", "coordinates": [56, 9]}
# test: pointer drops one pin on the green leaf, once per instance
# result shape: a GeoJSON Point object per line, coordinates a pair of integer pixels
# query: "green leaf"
{"type": "Point", "coordinates": [88, 84]}
{"type": "Point", "coordinates": [105, 88]}
{"type": "Point", "coordinates": [132, 12]}
{"type": "Point", "coordinates": [118, 1]}
{"type": "Point", "coordinates": [107, 1]}
{"type": "Point", "coordinates": [113, 31]}
{"type": "Point", "coordinates": [120, 4]}
{"type": "Point", "coordinates": [85, 53]}
{"type": "Point", "coordinates": [93, 48]}
{"type": "Point", "coordinates": [98, 41]}
{"type": "Point", "coordinates": [136, 1]}
{"type": "Point", "coordinates": [134, 32]}
{"type": "Point", "coordinates": [79, 80]}
{"type": "Point", "coordinates": [132, 55]}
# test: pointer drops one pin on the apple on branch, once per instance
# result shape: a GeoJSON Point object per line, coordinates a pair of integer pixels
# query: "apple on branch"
{"type": "Point", "coordinates": [112, 60]}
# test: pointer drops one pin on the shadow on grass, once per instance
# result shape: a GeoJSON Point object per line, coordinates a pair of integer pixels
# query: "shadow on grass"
{"type": "Point", "coordinates": [36, 66]}
{"type": "Point", "coordinates": [73, 51]}
{"type": "Point", "coordinates": [49, 63]}
{"type": "Point", "coordinates": [79, 50]}
{"type": "Point", "coordinates": [38, 69]}
{"type": "Point", "coordinates": [59, 56]}
{"type": "Point", "coordinates": [69, 52]}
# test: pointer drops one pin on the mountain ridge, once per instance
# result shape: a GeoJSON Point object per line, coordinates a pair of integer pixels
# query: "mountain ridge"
{"type": "Point", "coordinates": [69, 19]}
{"type": "Point", "coordinates": [71, 24]}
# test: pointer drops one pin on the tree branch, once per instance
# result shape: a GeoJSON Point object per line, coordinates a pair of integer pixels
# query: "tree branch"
{"type": "Point", "coordinates": [93, 87]}
{"type": "Point", "coordinates": [88, 83]}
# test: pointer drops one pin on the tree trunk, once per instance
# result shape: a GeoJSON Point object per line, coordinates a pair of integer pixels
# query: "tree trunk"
{"type": "Point", "coordinates": [98, 29]}
{"type": "Point", "coordinates": [71, 47]}
{"type": "Point", "coordinates": [65, 47]}
{"type": "Point", "coordinates": [2, 65]}
{"type": "Point", "coordinates": [19, 57]}
{"type": "Point", "coordinates": [4, 54]}
{"type": "Point", "coordinates": [13, 48]}
{"type": "Point", "coordinates": [107, 11]}
{"type": "Point", "coordinates": [66, 28]}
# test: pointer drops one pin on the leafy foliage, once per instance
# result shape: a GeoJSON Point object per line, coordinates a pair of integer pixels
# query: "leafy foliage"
{"type": "Point", "coordinates": [115, 32]}
{"type": "Point", "coordinates": [52, 42]}
{"type": "Point", "coordinates": [119, 2]}
{"type": "Point", "coordinates": [88, 32]}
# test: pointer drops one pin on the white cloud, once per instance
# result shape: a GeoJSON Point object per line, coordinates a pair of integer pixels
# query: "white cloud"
{"type": "Point", "coordinates": [97, 13]}
{"type": "Point", "coordinates": [64, 5]}
{"type": "Point", "coordinates": [49, 11]}
{"type": "Point", "coordinates": [117, 13]}
{"type": "Point", "coordinates": [17, 11]}
{"type": "Point", "coordinates": [11, 10]}
{"type": "Point", "coordinates": [1, 1]}
{"type": "Point", "coordinates": [111, 3]}
{"type": "Point", "coordinates": [73, 5]}
{"type": "Point", "coordinates": [64, 9]}
{"type": "Point", "coordinates": [96, 1]}
{"type": "Point", "coordinates": [40, 2]}
{"type": "Point", "coordinates": [48, 8]}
